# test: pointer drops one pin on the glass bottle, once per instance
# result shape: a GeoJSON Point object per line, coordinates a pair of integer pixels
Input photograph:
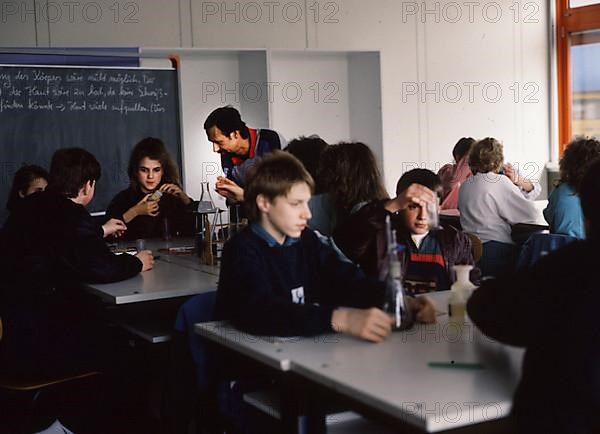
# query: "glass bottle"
{"type": "Point", "coordinates": [204, 228]}
{"type": "Point", "coordinates": [155, 197]}
{"type": "Point", "coordinates": [396, 300]}
{"type": "Point", "coordinates": [433, 213]}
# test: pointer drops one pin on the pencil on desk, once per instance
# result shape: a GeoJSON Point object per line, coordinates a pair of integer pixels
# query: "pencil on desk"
{"type": "Point", "coordinates": [453, 364]}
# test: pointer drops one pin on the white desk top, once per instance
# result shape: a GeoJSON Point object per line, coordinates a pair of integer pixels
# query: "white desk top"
{"type": "Point", "coordinates": [270, 351]}
{"type": "Point", "coordinates": [394, 376]}
{"type": "Point", "coordinates": [539, 205]}
{"type": "Point", "coordinates": [172, 276]}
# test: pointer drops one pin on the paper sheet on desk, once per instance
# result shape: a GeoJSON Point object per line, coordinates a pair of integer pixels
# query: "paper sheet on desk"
{"type": "Point", "coordinates": [129, 251]}
{"type": "Point", "coordinates": [282, 339]}
{"type": "Point", "coordinates": [185, 250]}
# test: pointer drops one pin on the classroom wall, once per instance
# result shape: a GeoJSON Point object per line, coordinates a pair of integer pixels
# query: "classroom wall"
{"type": "Point", "coordinates": [448, 69]}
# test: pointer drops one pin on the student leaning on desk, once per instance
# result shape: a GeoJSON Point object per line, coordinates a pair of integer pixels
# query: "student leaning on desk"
{"type": "Point", "coordinates": [280, 278]}
{"type": "Point", "coordinates": [50, 245]}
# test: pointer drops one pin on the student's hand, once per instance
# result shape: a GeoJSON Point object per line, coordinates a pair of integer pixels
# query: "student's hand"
{"type": "Point", "coordinates": [415, 193]}
{"type": "Point", "coordinates": [145, 256]}
{"type": "Point", "coordinates": [370, 324]}
{"type": "Point", "coordinates": [423, 308]}
{"type": "Point", "coordinates": [175, 190]}
{"type": "Point", "coordinates": [146, 207]}
{"type": "Point", "coordinates": [513, 175]}
{"type": "Point", "coordinates": [229, 189]}
{"type": "Point", "coordinates": [114, 227]}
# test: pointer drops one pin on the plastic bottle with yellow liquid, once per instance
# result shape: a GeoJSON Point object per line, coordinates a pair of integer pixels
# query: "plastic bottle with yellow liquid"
{"type": "Point", "coordinates": [460, 291]}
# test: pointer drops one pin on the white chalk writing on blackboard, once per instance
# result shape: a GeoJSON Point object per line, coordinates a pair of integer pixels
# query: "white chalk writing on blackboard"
{"type": "Point", "coordinates": [45, 108]}
{"type": "Point", "coordinates": [41, 90]}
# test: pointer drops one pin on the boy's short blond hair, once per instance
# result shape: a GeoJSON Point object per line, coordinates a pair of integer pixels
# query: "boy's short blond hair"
{"type": "Point", "coordinates": [273, 175]}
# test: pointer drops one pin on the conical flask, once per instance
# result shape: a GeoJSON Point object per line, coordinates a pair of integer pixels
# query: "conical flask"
{"type": "Point", "coordinates": [206, 203]}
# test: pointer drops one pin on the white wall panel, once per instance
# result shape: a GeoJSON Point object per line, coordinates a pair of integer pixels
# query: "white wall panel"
{"type": "Point", "coordinates": [17, 24]}
{"type": "Point", "coordinates": [380, 25]}
{"type": "Point", "coordinates": [429, 50]}
{"type": "Point", "coordinates": [110, 23]}
{"type": "Point", "coordinates": [310, 95]}
{"type": "Point", "coordinates": [249, 24]}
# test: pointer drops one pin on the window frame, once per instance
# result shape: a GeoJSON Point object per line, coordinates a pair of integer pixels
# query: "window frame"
{"type": "Point", "coordinates": [569, 20]}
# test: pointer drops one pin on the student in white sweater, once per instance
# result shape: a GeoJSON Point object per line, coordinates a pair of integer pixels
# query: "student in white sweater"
{"type": "Point", "coordinates": [489, 203]}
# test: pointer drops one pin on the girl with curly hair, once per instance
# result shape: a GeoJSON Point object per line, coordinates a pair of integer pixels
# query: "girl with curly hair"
{"type": "Point", "coordinates": [563, 212]}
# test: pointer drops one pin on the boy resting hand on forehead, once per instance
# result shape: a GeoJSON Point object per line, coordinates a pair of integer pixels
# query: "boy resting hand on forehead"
{"type": "Point", "coordinates": [278, 277]}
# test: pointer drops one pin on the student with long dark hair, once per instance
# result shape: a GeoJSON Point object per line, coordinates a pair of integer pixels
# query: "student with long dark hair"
{"type": "Point", "coordinates": [349, 175]}
{"type": "Point", "coordinates": [28, 180]}
{"type": "Point", "coordinates": [151, 169]}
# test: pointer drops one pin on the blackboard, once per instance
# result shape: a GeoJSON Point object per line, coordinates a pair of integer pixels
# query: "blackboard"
{"type": "Point", "coordinates": [104, 110]}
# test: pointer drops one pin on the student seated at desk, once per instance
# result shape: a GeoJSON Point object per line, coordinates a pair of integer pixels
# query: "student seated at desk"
{"type": "Point", "coordinates": [50, 246]}
{"type": "Point", "coordinates": [349, 175]}
{"type": "Point", "coordinates": [310, 151]}
{"type": "Point", "coordinates": [27, 180]}
{"type": "Point", "coordinates": [489, 203]}
{"type": "Point", "coordinates": [429, 255]}
{"type": "Point", "coordinates": [280, 278]}
{"type": "Point", "coordinates": [151, 169]}
{"type": "Point", "coordinates": [454, 175]}
{"type": "Point", "coordinates": [563, 213]}
{"type": "Point", "coordinates": [551, 310]}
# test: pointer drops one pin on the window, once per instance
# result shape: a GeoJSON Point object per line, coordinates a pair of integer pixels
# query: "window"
{"type": "Point", "coordinates": [578, 44]}
{"type": "Point", "coordinates": [579, 3]}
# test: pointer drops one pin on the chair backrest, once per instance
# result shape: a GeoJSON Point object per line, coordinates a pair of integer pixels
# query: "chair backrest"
{"type": "Point", "coordinates": [476, 246]}
{"type": "Point", "coordinates": [540, 244]}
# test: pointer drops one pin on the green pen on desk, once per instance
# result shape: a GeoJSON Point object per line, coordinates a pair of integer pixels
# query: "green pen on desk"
{"type": "Point", "coordinates": [457, 365]}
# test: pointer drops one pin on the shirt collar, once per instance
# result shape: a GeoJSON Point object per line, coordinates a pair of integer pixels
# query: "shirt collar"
{"type": "Point", "coordinates": [272, 242]}
{"type": "Point", "coordinates": [252, 136]}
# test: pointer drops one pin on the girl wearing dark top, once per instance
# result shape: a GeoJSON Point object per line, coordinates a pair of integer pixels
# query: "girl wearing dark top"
{"type": "Point", "coordinates": [27, 180]}
{"type": "Point", "coordinates": [151, 169]}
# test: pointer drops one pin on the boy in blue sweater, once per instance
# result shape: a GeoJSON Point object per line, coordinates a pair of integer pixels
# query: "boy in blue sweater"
{"type": "Point", "coordinates": [280, 278]}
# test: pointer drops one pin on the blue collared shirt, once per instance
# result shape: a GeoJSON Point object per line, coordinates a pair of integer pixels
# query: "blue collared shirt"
{"type": "Point", "coordinates": [272, 242]}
